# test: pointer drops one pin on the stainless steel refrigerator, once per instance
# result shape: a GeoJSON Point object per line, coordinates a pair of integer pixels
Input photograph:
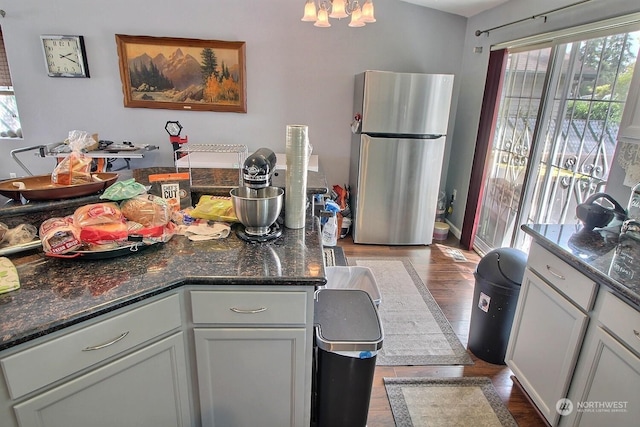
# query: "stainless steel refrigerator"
{"type": "Point", "coordinates": [400, 123]}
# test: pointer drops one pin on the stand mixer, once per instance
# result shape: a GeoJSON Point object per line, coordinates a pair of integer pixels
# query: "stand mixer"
{"type": "Point", "coordinates": [258, 169]}
{"type": "Point", "coordinates": [256, 203]}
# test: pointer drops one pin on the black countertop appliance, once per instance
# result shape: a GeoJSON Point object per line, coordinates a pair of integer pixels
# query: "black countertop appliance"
{"type": "Point", "coordinates": [595, 215]}
{"type": "Point", "coordinates": [258, 169]}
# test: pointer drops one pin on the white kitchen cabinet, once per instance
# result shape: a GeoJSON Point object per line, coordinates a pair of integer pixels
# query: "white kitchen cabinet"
{"type": "Point", "coordinates": [548, 329]}
{"type": "Point", "coordinates": [253, 356]}
{"type": "Point", "coordinates": [145, 388]}
{"type": "Point", "coordinates": [630, 122]}
{"type": "Point", "coordinates": [251, 376]}
{"type": "Point", "coordinates": [244, 352]}
{"type": "Point", "coordinates": [59, 356]}
{"type": "Point", "coordinates": [607, 378]}
{"type": "Point", "coordinates": [125, 368]}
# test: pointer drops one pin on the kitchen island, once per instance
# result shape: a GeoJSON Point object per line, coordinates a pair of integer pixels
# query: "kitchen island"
{"type": "Point", "coordinates": [181, 333]}
{"type": "Point", "coordinates": [574, 344]}
{"type": "Point", "coordinates": [214, 182]}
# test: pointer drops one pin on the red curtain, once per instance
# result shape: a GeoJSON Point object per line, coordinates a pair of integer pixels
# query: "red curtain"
{"type": "Point", "coordinates": [484, 140]}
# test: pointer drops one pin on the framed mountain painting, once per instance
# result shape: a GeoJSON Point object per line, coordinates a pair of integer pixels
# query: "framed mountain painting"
{"type": "Point", "coordinates": [182, 74]}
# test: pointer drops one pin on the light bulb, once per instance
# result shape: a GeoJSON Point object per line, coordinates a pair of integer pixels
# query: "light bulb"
{"type": "Point", "coordinates": [368, 12]}
{"type": "Point", "coordinates": [338, 9]}
{"type": "Point", "coordinates": [323, 18]}
{"type": "Point", "coordinates": [309, 12]}
{"type": "Point", "coordinates": [356, 16]}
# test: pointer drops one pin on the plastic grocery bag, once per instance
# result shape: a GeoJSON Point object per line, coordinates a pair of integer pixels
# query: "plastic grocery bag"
{"type": "Point", "coordinates": [123, 190]}
{"type": "Point", "coordinates": [215, 208]}
{"type": "Point", "coordinates": [76, 167]}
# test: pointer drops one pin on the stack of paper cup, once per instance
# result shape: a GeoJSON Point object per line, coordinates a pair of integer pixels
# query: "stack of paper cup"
{"type": "Point", "coordinates": [295, 195]}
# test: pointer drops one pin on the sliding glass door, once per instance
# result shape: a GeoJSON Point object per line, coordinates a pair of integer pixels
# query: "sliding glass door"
{"type": "Point", "coordinates": [555, 136]}
{"type": "Point", "coordinates": [520, 100]}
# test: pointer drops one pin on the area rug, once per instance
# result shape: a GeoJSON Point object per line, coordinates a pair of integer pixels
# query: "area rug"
{"type": "Point", "coordinates": [442, 402]}
{"type": "Point", "coordinates": [416, 331]}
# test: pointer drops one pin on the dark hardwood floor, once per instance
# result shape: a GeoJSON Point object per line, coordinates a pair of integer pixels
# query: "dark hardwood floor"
{"type": "Point", "coordinates": [451, 284]}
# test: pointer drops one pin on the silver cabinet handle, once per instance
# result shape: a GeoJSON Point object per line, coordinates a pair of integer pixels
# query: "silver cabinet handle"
{"type": "Point", "coordinates": [106, 344]}
{"type": "Point", "coordinates": [239, 310]}
{"type": "Point", "coordinates": [558, 275]}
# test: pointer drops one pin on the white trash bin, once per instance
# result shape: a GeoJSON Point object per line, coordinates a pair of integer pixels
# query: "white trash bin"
{"type": "Point", "coordinates": [342, 277]}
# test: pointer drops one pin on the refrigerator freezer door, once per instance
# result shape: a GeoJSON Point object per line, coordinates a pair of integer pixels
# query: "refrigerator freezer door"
{"type": "Point", "coordinates": [403, 103]}
{"type": "Point", "coordinates": [395, 192]}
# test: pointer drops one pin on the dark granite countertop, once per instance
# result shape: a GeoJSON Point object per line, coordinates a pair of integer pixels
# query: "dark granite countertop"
{"type": "Point", "coordinates": [57, 293]}
{"type": "Point", "coordinates": [219, 182]}
{"type": "Point", "coordinates": [215, 182]}
{"type": "Point", "coordinates": [600, 254]}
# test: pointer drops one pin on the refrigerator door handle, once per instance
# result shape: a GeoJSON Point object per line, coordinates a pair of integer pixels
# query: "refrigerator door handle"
{"type": "Point", "coordinates": [403, 135]}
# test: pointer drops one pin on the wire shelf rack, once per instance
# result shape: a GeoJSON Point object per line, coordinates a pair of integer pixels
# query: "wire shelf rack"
{"type": "Point", "coordinates": [240, 149]}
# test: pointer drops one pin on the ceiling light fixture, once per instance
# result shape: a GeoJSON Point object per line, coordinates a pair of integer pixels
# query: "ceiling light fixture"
{"type": "Point", "coordinates": [325, 9]}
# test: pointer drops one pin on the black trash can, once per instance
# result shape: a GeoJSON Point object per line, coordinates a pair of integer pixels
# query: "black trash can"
{"type": "Point", "coordinates": [348, 337]}
{"type": "Point", "coordinates": [498, 279]}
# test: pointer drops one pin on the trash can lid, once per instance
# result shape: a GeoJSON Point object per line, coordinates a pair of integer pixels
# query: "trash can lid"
{"type": "Point", "coordinates": [346, 320]}
{"type": "Point", "coordinates": [503, 266]}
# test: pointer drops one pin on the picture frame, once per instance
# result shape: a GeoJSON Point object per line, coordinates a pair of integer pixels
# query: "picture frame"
{"type": "Point", "coordinates": [182, 74]}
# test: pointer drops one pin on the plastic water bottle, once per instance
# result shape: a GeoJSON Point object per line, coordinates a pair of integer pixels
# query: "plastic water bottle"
{"type": "Point", "coordinates": [330, 232]}
{"type": "Point", "coordinates": [330, 229]}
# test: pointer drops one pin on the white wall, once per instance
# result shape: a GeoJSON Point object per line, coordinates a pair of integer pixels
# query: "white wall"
{"type": "Point", "coordinates": [296, 73]}
{"type": "Point", "coordinates": [474, 70]}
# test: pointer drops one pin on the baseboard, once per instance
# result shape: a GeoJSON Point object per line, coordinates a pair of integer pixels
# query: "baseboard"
{"type": "Point", "coordinates": [453, 229]}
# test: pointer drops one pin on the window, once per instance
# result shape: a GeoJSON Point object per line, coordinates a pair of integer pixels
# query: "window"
{"type": "Point", "coordinates": [9, 120]}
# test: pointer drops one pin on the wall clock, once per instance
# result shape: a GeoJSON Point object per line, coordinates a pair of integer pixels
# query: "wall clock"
{"type": "Point", "coordinates": [65, 56]}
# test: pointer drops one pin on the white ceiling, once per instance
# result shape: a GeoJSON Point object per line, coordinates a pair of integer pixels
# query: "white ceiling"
{"type": "Point", "coordinates": [466, 8]}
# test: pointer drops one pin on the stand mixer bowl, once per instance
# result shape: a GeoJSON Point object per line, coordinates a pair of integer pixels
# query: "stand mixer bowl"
{"type": "Point", "coordinates": [257, 210]}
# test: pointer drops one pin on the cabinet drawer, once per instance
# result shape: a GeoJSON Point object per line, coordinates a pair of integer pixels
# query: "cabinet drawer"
{"type": "Point", "coordinates": [45, 363]}
{"type": "Point", "coordinates": [577, 287]}
{"type": "Point", "coordinates": [621, 319]}
{"type": "Point", "coordinates": [248, 307]}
